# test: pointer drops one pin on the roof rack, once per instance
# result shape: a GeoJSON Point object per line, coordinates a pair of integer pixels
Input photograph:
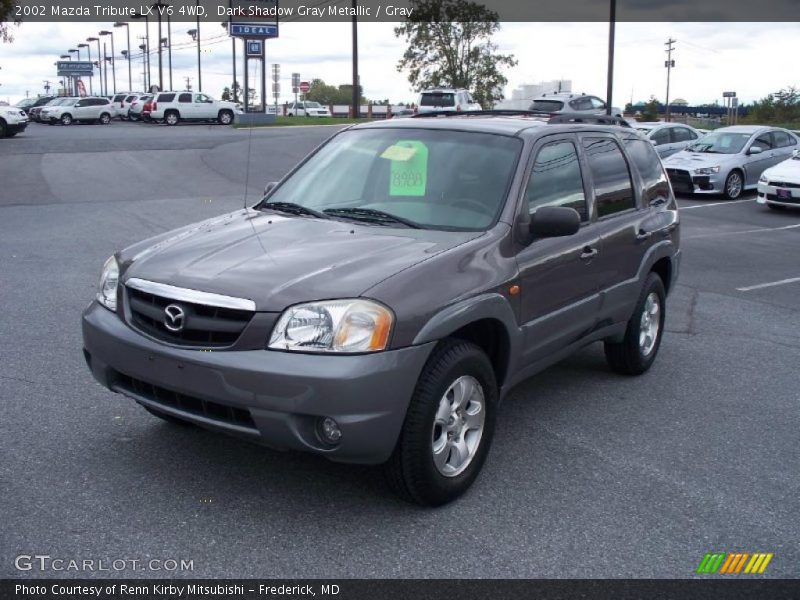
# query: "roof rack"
{"type": "Point", "coordinates": [480, 113]}
{"type": "Point", "coordinates": [573, 118]}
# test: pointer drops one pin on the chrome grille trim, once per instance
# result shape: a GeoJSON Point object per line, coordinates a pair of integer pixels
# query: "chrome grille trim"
{"type": "Point", "coordinates": [189, 295]}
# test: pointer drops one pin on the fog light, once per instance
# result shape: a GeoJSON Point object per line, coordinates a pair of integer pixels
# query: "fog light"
{"type": "Point", "coordinates": [330, 431]}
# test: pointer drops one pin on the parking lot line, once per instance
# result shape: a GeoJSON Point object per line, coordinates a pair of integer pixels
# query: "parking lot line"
{"type": "Point", "coordinates": [770, 284]}
{"type": "Point", "coordinates": [723, 203]}
{"type": "Point", "coordinates": [743, 231]}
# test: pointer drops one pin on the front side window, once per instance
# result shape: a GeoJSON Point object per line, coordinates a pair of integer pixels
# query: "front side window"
{"type": "Point", "coordinates": [597, 103]}
{"type": "Point", "coordinates": [661, 136]}
{"type": "Point", "coordinates": [613, 189]}
{"type": "Point", "coordinates": [437, 179]}
{"type": "Point", "coordinates": [556, 179]}
{"type": "Point", "coordinates": [581, 104]}
{"type": "Point", "coordinates": [202, 98]}
{"type": "Point", "coordinates": [764, 141]}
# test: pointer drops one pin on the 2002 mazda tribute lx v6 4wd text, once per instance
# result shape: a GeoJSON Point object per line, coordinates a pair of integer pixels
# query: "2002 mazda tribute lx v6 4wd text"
{"type": "Point", "coordinates": [380, 300]}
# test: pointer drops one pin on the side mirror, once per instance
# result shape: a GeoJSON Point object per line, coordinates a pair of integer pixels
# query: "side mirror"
{"type": "Point", "coordinates": [755, 150]}
{"type": "Point", "coordinates": [555, 221]}
{"type": "Point", "coordinates": [269, 187]}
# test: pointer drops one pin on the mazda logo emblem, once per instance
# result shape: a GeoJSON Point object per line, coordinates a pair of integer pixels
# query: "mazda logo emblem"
{"type": "Point", "coordinates": [174, 318]}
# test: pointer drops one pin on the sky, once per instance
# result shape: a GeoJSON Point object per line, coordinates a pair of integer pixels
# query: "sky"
{"type": "Point", "coordinates": [753, 59]}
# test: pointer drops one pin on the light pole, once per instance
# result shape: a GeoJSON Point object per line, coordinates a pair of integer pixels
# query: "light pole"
{"type": "Point", "coordinates": [165, 44]}
{"type": "Point", "coordinates": [91, 78]}
{"type": "Point", "coordinates": [75, 78]}
{"type": "Point", "coordinates": [127, 54]}
{"type": "Point", "coordinates": [147, 42]}
{"type": "Point", "coordinates": [195, 33]}
{"type": "Point", "coordinates": [169, 48]}
{"type": "Point", "coordinates": [159, 6]}
{"type": "Point", "coordinates": [143, 47]}
{"type": "Point", "coordinates": [612, 23]}
{"type": "Point", "coordinates": [67, 78]}
{"type": "Point", "coordinates": [356, 92]}
{"type": "Point", "coordinates": [113, 59]}
{"type": "Point", "coordinates": [99, 63]}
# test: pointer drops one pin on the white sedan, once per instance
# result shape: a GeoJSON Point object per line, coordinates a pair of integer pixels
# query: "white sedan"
{"type": "Point", "coordinates": [779, 186]}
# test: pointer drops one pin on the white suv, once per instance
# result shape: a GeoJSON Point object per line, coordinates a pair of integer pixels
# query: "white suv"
{"type": "Point", "coordinates": [13, 120]}
{"type": "Point", "coordinates": [174, 107]}
{"type": "Point", "coordinates": [307, 109]}
{"type": "Point", "coordinates": [446, 100]}
{"type": "Point", "coordinates": [93, 109]}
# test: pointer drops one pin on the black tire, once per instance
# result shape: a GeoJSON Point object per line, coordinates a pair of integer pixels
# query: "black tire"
{"type": "Point", "coordinates": [168, 418]}
{"type": "Point", "coordinates": [172, 118]}
{"type": "Point", "coordinates": [66, 119]}
{"type": "Point", "coordinates": [10, 135]}
{"type": "Point", "coordinates": [733, 194]}
{"type": "Point", "coordinates": [411, 471]}
{"type": "Point", "coordinates": [628, 357]}
{"type": "Point", "coordinates": [225, 117]}
{"type": "Point", "coordinates": [776, 206]}
{"type": "Point", "coordinates": [3, 129]}
{"type": "Point", "coordinates": [105, 119]}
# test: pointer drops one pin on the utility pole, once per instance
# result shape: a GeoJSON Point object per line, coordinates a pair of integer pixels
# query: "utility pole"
{"type": "Point", "coordinates": [612, 21]}
{"type": "Point", "coordinates": [188, 83]}
{"type": "Point", "coordinates": [356, 88]}
{"type": "Point", "coordinates": [669, 63]}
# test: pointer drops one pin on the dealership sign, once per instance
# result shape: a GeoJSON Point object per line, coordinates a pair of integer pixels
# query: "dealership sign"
{"type": "Point", "coordinates": [254, 18]}
{"type": "Point", "coordinates": [74, 68]}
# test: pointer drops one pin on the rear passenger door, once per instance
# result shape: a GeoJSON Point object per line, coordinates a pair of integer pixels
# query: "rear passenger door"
{"type": "Point", "coordinates": [186, 106]}
{"type": "Point", "coordinates": [558, 276]}
{"type": "Point", "coordinates": [622, 221]}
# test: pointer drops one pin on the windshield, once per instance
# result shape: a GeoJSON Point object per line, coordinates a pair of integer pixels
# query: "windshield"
{"type": "Point", "coordinates": [437, 99]}
{"type": "Point", "coordinates": [547, 105]}
{"type": "Point", "coordinates": [312, 104]}
{"type": "Point", "coordinates": [720, 143]}
{"type": "Point", "coordinates": [432, 178]}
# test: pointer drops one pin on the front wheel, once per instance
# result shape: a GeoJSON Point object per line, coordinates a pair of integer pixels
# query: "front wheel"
{"type": "Point", "coordinates": [776, 206]}
{"type": "Point", "coordinates": [66, 119]}
{"type": "Point", "coordinates": [225, 117]}
{"type": "Point", "coordinates": [3, 129]}
{"type": "Point", "coordinates": [448, 428]}
{"type": "Point", "coordinates": [734, 184]}
{"type": "Point", "coordinates": [636, 352]}
{"type": "Point", "coordinates": [105, 119]}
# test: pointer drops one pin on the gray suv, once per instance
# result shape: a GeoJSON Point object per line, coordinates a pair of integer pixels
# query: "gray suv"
{"type": "Point", "coordinates": [378, 303]}
{"type": "Point", "coordinates": [567, 102]}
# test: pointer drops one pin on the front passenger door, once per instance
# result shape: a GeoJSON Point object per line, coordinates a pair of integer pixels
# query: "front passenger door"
{"type": "Point", "coordinates": [558, 276]}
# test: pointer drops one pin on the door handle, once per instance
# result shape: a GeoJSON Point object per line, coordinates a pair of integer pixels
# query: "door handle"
{"type": "Point", "coordinates": [643, 235]}
{"type": "Point", "coordinates": [588, 253]}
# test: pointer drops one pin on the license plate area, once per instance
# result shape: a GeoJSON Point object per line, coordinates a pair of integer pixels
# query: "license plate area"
{"type": "Point", "coordinates": [783, 193]}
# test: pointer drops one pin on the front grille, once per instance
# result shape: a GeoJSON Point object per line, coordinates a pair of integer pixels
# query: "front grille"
{"type": "Point", "coordinates": [203, 325]}
{"type": "Point", "coordinates": [196, 406]}
{"type": "Point", "coordinates": [784, 184]}
{"type": "Point", "coordinates": [681, 180]}
{"type": "Point", "coordinates": [792, 200]}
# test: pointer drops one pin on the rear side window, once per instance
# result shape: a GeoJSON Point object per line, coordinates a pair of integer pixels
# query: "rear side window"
{"type": "Point", "coordinates": [119, 97]}
{"type": "Point", "coordinates": [682, 134]}
{"type": "Point", "coordinates": [783, 139]}
{"type": "Point", "coordinates": [612, 180]}
{"type": "Point", "coordinates": [556, 179]}
{"type": "Point", "coordinates": [100, 102]}
{"type": "Point", "coordinates": [547, 105]}
{"type": "Point", "coordinates": [166, 98]}
{"type": "Point", "coordinates": [130, 98]}
{"type": "Point", "coordinates": [646, 160]}
{"type": "Point", "coordinates": [582, 104]}
{"type": "Point", "coordinates": [437, 99]}
{"type": "Point", "coordinates": [185, 98]}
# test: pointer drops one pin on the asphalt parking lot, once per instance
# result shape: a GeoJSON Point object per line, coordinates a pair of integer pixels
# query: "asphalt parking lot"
{"type": "Point", "coordinates": [591, 474]}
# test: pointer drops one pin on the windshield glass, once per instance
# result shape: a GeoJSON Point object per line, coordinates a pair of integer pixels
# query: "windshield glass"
{"type": "Point", "coordinates": [437, 99]}
{"type": "Point", "coordinates": [312, 104]}
{"type": "Point", "coordinates": [720, 143]}
{"type": "Point", "coordinates": [547, 105]}
{"type": "Point", "coordinates": [433, 178]}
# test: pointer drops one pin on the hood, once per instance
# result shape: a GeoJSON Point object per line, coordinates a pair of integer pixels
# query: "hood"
{"type": "Point", "coordinates": [788, 169]}
{"type": "Point", "coordinates": [686, 159]}
{"type": "Point", "coordinates": [278, 260]}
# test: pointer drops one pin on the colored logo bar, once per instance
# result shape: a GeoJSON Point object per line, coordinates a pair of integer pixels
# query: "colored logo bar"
{"type": "Point", "coordinates": [734, 563]}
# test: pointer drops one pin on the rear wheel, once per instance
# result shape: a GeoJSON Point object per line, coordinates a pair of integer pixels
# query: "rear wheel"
{"type": "Point", "coordinates": [225, 117]}
{"type": "Point", "coordinates": [66, 119]}
{"type": "Point", "coordinates": [734, 184]}
{"type": "Point", "coordinates": [172, 118]}
{"type": "Point", "coordinates": [448, 427]}
{"type": "Point", "coordinates": [636, 352]}
{"type": "Point", "coordinates": [3, 129]}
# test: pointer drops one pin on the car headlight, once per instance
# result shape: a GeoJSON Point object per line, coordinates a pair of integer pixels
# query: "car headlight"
{"type": "Point", "coordinates": [763, 179]}
{"type": "Point", "coordinates": [107, 288]}
{"type": "Point", "coordinates": [706, 170]}
{"type": "Point", "coordinates": [336, 326]}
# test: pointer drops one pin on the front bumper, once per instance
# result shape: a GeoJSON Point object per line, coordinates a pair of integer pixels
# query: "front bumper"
{"type": "Point", "coordinates": [19, 127]}
{"type": "Point", "coordinates": [768, 194]}
{"type": "Point", "coordinates": [274, 398]}
{"type": "Point", "coordinates": [685, 182]}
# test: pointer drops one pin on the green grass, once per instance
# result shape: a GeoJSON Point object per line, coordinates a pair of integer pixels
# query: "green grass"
{"type": "Point", "coordinates": [285, 121]}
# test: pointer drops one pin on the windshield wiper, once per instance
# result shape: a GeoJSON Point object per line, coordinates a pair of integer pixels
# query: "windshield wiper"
{"type": "Point", "coordinates": [293, 208]}
{"type": "Point", "coordinates": [371, 215]}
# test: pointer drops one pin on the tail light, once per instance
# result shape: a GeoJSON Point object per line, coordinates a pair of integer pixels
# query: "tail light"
{"type": "Point", "coordinates": [153, 106]}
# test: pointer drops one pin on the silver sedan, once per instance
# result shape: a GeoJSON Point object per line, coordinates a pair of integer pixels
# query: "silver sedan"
{"type": "Point", "coordinates": [729, 160]}
{"type": "Point", "coordinates": [668, 138]}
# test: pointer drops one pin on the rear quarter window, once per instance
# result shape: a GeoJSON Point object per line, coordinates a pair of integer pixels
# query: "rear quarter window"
{"type": "Point", "coordinates": [435, 99]}
{"type": "Point", "coordinates": [646, 160]}
{"type": "Point", "coordinates": [611, 178]}
{"type": "Point", "coordinates": [547, 105]}
{"type": "Point", "coordinates": [166, 98]}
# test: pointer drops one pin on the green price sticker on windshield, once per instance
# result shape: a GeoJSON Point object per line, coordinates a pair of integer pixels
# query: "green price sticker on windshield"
{"type": "Point", "coordinates": [409, 172]}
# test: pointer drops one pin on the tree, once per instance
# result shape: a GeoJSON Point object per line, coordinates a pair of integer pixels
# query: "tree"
{"type": "Point", "coordinates": [449, 44]}
{"type": "Point", "coordinates": [650, 112]}
{"type": "Point", "coordinates": [782, 107]}
{"type": "Point", "coordinates": [226, 94]}
{"type": "Point", "coordinates": [6, 18]}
